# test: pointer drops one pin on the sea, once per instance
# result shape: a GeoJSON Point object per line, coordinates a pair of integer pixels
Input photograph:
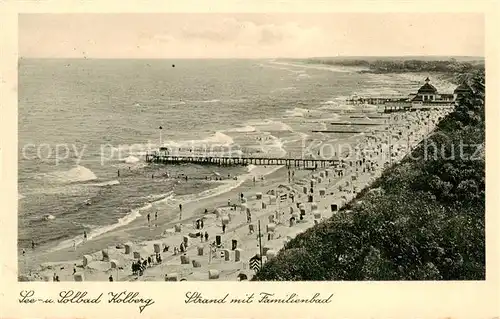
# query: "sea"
{"type": "Point", "coordinates": [83, 121]}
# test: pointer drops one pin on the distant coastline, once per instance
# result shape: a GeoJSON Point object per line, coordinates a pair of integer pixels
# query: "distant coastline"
{"type": "Point", "coordinates": [455, 69]}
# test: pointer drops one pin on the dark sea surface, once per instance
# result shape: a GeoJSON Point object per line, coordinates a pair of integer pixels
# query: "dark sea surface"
{"type": "Point", "coordinates": [101, 116]}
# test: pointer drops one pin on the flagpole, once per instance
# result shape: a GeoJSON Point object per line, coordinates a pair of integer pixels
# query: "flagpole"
{"type": "Point", "coordinates": [260, 246]}
{"type": "Point", "coordinates": [160, 135]}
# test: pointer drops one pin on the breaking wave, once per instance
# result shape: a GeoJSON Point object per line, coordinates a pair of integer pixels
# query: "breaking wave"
{"type": "Point", "coordinates": [131, 159]}
{"type": "Point", "coordinates": [270, 125]}
{"type": "Point", "coordinates": [109, 183]}
{"type": "Point", "coordinates": [243, 129]}
{"type": "Point", "coordinates": [76, 174]}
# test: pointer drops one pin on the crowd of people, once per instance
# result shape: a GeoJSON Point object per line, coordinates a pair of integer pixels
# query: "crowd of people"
{"type": "Point", "coordinates": [139, 266]}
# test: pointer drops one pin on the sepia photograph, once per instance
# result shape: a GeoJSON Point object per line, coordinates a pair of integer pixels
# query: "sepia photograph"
{"type": "Point", "coordinates": [336, 146]}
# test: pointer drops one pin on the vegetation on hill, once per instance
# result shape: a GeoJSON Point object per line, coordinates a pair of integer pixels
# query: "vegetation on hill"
{"type": "Point", "coordinates": [451, 66]}
{"type": "Point", "coordinates": [422, 220]}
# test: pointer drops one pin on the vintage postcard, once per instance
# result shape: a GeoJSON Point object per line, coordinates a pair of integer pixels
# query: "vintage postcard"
{"type": "Point", "coordinates": [284, 160]}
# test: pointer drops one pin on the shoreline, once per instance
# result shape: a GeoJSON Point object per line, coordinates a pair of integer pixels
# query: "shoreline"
{"type": "Point", "coordinates": [145, 236]}
{"type": "Point", "coordinates": [190, 210]}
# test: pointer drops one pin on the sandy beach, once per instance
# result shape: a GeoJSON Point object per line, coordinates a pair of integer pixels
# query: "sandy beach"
{"type": "Point", "coordinates": [314, 193]}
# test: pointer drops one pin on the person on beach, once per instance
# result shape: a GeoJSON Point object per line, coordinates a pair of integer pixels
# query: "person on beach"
{"type": "Point", "coordinates": [206, 236]}
{"type": "Point", "coordinates": [74, 270]}
{"type": "Point", "coordinates": [201, 223]}
{"type": "Point", "coordinates": [24, 252]}
{"type": "Point", "coordinates": [180, 207]}
{"type": "Point", "coordinates": [149, 218]}
{"type": "Point", "coordinates": [156, 216]}
{"type": "Point", "coordinates": [229, 203]}
{"type": "Point", "coordinates": [152, 176]}
{"type": "Point", "coordinates": [223, 228]}
{"type": "Point", "coordinates": [110, 278]}
{"type": "Point", "coordinates": [84, 235]}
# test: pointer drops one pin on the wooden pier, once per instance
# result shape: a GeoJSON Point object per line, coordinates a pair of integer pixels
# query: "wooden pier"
{"type": "Point", "coordinates": [356, 124]}
{"type": "Point", "coordinates": [339, 131]}
{"type": "Point", "coordinates": [388, 104]}
{"type": "Point", "coordinates": [370, 117]}
{"type": "Point", "coordinates": [226, 161]}
{"type": "Point", "coordinates": [376, 100]}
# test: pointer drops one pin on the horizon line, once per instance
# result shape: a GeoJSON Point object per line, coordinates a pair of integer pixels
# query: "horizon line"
{"type": "Point", "coordinates": [258, 58]}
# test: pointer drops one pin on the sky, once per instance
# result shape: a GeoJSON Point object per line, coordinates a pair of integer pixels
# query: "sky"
{"type": "Point", "coordinates": [251, 35]}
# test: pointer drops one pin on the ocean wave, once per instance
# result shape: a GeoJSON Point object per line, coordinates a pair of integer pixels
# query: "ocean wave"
{"type": "Point", "coordinates": [303, 76]}
{"type": "Point", "coordinates": [243, 129]}
{"type": "Point", "coordinates": [272, 146]}
{"type": "Point", "coordinates": [48, 217]}
{"type": "Point", "coordinates": [76, 174]}
{"type": "Point", "coordinates": [269, 125]}
{"type": "Point", "coordinates": [301, 112]}
{"type": "Point", "coordinates": [217, 139]}
{"type": "Point", "coordinates": [289, 88]}
{"type": "Point", "coordinates": [174, 103]}
{"type": "Point", "coordinates": [131, 160]}
{"type": "Point", "coordinates": [204, 101]}
{"type": "Point", "coordinates": [125, 220]}
{"type": "Point", "coordinates": [296, 112]}
{"type": "Point", "coordinates": [160, 198]}
{"type": "Point", "coordinates": [335, 100]}
{"type": "Point", "coordinates": [109, 183]}
{"type": "Point", "coordinates": [336, 106]}
{"type": "Point", "coordinates": [329, 102]}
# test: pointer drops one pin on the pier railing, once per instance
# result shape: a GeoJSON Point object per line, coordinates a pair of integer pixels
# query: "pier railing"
{"type": "Point", "coordinates": [163, 158]}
